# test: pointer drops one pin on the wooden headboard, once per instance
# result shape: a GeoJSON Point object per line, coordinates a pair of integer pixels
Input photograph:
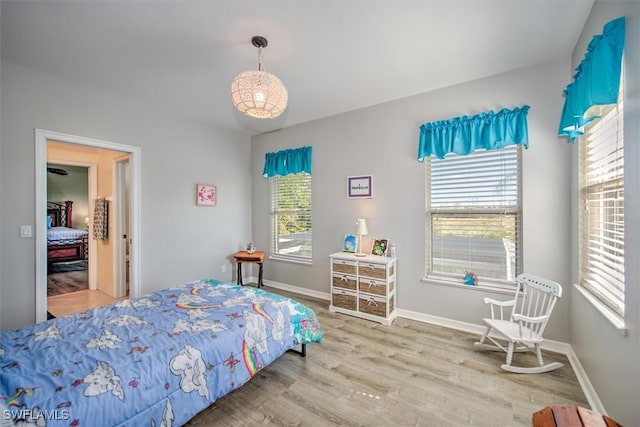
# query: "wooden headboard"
{"type": "Point", "coordinates": [60, 213]}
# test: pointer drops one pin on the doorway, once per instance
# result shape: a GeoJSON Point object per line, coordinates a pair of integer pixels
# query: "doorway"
{"type": "Point", "coordinates": [70, 187]}
{"type": "Point", "coordinates": [130, 217]}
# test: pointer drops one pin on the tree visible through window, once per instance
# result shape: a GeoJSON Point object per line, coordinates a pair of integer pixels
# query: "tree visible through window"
{"type": "Point", "coordinates": [474, 216]}
{"type": "Point", "coordinates": [291, 233]}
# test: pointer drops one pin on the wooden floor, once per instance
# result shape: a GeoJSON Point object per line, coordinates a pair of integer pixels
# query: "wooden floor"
{"type": "Point", "coordinates": [74, 302]}
{"type": "Point", "coordinates": [409, 373]}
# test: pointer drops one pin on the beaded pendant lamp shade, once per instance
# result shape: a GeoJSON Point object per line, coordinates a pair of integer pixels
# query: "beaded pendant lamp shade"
{"type": "Point", "coordinates": [258, 93]}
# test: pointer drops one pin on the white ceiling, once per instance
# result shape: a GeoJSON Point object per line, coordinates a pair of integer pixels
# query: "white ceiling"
{"type": "Point", "coordinates": [333, 56]}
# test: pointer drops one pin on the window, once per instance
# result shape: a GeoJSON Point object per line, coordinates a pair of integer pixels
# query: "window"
{"type": "Point", "coordinates": [291, 235]}
{"type": "Point", "coordinates": [601, 209]}
{"type": "Point", "coordinates": [474, 216]}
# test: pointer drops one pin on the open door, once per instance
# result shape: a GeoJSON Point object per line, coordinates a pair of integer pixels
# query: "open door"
{"type": "Point", "coordinates": [121, 265]}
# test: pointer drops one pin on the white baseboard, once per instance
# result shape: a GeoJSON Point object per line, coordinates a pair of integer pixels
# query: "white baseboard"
{"type": "Point", "coordinates": [290, 288]}
{"type": "Point", "coordinates": [472, 328]}
{"type": "Point", "coordinates": [587, 387]}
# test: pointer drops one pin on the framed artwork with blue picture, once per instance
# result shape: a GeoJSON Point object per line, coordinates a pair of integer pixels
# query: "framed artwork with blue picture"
{"type": "Point", "coordinates": [350, 243]}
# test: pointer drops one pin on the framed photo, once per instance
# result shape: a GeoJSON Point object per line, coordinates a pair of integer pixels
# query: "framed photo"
{"type": "Point", "coordinates": [379, 247]}
{"type": "Point", "coordinates": [350, 243]}
{"type": "Point", "coordinates": [206, 195]}
{"type": "Point", "coordinates": [359, 187]}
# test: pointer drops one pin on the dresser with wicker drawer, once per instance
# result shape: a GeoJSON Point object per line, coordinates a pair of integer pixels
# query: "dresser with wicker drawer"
{"type": "Point", "coordinates": [364, 286]}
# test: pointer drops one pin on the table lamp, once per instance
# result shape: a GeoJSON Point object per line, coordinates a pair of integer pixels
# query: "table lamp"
{"type": "Point", "coordinates": [361, 230]}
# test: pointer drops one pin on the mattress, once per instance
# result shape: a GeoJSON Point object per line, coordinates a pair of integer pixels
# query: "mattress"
{"type": "Point", "coordinates": [65, 233]}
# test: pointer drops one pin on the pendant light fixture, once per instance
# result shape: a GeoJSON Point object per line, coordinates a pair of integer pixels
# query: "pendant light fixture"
{"type": "Point", "coordinates": [257, 93]}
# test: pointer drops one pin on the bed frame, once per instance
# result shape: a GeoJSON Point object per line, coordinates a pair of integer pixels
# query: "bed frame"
{"type": "Point", "coordinates": [61, 213]}
{"type": "Point", "coordinates": [67, 249]}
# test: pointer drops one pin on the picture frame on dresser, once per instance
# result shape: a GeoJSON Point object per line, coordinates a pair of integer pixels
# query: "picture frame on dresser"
{"type": "Point", "coordinates": [379, 247]}
{"type": "Point", "coordinates": [350, 243]}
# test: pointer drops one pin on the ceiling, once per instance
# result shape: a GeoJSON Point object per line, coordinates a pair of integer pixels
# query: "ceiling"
{"type": "Point", "coordinates": [333, 56]}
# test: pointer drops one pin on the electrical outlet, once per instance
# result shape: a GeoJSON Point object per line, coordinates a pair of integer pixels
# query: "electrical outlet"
{"type": "Point", "coordinates": [223, 268]}
{"type": "Point", "coordinates": [25, 231]}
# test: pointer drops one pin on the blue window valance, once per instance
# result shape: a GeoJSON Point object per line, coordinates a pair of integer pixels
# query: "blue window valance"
{"type": "Point", "coordinates": [288, 161]}
{"type": "Point", "coordinates": [466, 134]}
{"type": "Point", "coordinates": [596, 81]}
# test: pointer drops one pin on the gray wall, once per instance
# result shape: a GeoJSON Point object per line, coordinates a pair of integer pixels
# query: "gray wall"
{"type": "Point", "coordinates": [611, 360]}
{"type": "Point", "coordinates": [179, 241]}
{"type": "Point", "coordinates": [382, 141]}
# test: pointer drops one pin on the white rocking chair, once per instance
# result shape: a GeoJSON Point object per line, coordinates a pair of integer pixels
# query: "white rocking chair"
{"type": "Point", "coordinates": [531, 309]}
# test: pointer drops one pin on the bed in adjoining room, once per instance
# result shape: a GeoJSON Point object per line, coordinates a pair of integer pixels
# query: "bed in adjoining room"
{"type": "Point", "coordinates": [154, 360]}
{"type": "Point", "coordinates": [64, 243]}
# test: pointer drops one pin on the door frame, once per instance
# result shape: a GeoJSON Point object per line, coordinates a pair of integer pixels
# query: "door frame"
{"type": "Point", "coordinates": [41, 137]}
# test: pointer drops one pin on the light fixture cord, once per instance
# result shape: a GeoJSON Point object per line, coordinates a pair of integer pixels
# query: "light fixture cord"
{"type": "Point", "coordinates": [260, 67]}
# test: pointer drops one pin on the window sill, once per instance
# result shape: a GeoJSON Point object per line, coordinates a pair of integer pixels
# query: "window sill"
{"type": "Point", "coordinates": [483, 288]}
{"type": "Point", "coordinates": [610, 315]}
{"type": "Point", "coordinates": [291, 260]}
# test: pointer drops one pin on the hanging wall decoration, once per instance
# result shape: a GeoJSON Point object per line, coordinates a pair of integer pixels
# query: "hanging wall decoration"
{"type": "Point", "coordinates": [206, 195]}
{"type": "Point", "coordinates": [360, 187]}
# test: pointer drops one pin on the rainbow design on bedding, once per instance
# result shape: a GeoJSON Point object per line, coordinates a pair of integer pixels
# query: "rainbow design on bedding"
{"type": "Point", "coordinates": [258, 308]}
{"type": "Point", "coordinates": [250, 360]}
{"type": "Point", "coordinates": [12, 401]}
{"type": "Point", "coordinates": [195, 301]}
{"type": "Point", "coordinates": [155, 360]}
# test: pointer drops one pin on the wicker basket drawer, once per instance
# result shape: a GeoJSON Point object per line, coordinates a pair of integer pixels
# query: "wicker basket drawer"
{"type": "Point", "coordinates": [343, 266]}
{"type": "Point", "coordinates": [373, 305]}
{"type": "Point", "coordinates": [370, 269]}
{"type": "Point", "coordinates": [344, 299]}
{"type": "Point", "coordinates": [372, 286]}
{"type": "Point", "coordinates": [344, 281]}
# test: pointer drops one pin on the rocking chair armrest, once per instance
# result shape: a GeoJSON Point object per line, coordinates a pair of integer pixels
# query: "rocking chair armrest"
{"type": "Point", "coordinates": [520, 317]}
{"type": "Point", "coordinates": [499, 303]}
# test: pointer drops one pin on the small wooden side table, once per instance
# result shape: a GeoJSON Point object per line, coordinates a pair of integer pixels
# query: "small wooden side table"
{"type": "Point", "coordinates": [256, 258]}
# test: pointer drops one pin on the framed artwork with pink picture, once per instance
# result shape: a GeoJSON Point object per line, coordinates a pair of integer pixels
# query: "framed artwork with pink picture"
{"type": "Point", "coordinates": [206, 195]}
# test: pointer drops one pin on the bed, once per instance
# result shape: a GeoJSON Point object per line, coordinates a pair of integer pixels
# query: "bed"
{"type": "Point", "coordinates": [155, 360]}
{"type": "Point", "coordinates": [64, 243]}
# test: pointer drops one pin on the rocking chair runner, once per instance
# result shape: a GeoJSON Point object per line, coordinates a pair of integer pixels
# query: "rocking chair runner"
{"type": "Point", "coordinates": [531, 308]}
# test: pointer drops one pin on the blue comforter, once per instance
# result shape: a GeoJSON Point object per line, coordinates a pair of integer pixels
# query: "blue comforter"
{"type": "Point", "coordinates": [149, 361]}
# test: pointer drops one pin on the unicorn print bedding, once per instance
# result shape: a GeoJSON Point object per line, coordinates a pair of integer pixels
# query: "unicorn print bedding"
{"type": "Point", "coordinates": [157, 360]}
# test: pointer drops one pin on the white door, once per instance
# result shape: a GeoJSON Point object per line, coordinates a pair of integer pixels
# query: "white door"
{"type": "Point", "coordinates": [122, 195]}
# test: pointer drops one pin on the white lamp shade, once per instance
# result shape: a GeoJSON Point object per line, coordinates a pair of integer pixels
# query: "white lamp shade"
{"type": "Point", "coordinates": [259, 94]}
{"type": "Point", "coordinates": [361, 227]}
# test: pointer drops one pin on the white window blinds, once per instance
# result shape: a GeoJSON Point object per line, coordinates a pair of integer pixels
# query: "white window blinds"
{"type": "Point", "coordinates": [291, 235]}
{"type": "Point", "coordinates": [474, 216]}
{"type": "Point", "coordinates": [601, 170]}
